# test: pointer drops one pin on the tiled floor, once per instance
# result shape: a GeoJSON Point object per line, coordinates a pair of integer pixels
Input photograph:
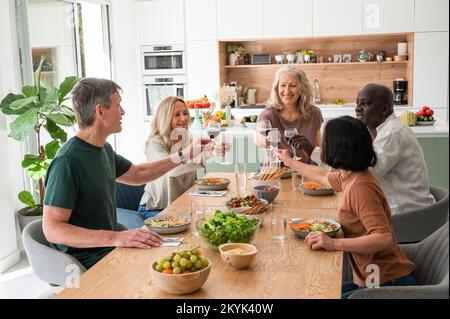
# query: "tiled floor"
{"type": "Point", "coordinates": [19, 282]}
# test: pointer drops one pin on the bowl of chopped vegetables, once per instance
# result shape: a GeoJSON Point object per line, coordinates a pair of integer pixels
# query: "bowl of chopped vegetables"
{"type": "Point", "coordinates": [303, 226]}
{"type": "Point", "coordinates": [227, 227]}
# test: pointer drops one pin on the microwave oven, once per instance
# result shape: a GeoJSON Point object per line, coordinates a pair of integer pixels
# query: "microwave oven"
{"type": "Point", "coordinates": [158, 87]}
{"type": "Point", "coordinates": [163, 59]}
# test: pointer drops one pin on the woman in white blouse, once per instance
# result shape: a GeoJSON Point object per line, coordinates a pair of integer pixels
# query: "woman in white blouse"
{"type": "Point", "coordinates": [168, 133]}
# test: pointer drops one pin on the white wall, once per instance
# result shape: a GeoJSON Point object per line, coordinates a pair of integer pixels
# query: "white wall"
{"type": "Point", "coordinates": [11, 175]}
{"type": "Point", "coordinates": [126, 72]}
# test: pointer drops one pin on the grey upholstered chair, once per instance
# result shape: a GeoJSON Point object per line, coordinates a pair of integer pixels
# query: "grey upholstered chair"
{"type": "Point", "coordinates": [431, 274]}
{"type": "Point", "coordinates": [417, 225]}
{"type": "Point", "coordinates": [47, 263]}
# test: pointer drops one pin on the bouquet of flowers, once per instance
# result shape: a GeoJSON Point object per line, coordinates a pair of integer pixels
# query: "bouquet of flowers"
{"type": "Point", "coordinates": [227, 94]}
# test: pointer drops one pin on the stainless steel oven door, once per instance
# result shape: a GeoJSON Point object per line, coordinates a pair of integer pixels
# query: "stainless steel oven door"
{"type": "Point", "coordinates": [163, 60]}
{"type": "Point", "coordinates": [156, 88]}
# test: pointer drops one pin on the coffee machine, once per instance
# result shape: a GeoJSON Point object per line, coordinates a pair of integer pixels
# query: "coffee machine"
{"type": "Point", "coordinates": [400, 91]}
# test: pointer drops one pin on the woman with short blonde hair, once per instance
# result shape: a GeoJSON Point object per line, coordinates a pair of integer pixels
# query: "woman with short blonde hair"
{"type": "Point", "coordinates": [290, 107]}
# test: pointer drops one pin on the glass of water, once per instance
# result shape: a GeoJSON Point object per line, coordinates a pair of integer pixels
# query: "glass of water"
{"type": "Point", "coordinates": [278, 223]}
{"type": "Point", "coordinates": [197, 211]}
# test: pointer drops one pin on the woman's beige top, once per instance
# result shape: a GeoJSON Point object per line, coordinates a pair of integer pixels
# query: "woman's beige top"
{"type": "Point", "coordinates": [307, 128]}
{"type": "Point", "coordinates": [364, 210]}
{"type": "Point", "coordinates": [164, 190]}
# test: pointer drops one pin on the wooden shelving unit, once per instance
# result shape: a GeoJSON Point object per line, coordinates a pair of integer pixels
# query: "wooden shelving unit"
{"type": "Point", "coordinates": [336, 80]}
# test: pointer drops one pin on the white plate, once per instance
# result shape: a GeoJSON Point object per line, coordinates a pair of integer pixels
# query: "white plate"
{"type": "Point", "coordinates": [169, 230]}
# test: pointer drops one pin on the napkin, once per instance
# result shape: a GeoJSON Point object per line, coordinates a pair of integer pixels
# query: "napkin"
{"type": "Point", "coordinates": [171, 241]}
{"type": "Point", "coordinates": [208, 193]}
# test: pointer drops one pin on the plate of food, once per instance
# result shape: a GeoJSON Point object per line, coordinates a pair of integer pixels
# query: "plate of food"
{"type": "Point", "coordinates": [241, 204]}
{"type": "Point", "coordinates": [213, 183]}
{"type": "Point", "coordinates": [287, 172]}
{"type": "Point", "coordinates": [168, 224]}
{"type": "Point", "coordinates": [303, 226]}
{"type": "Point", "coordinates": [313, 188]}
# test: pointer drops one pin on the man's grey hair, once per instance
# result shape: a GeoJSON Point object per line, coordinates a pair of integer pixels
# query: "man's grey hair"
{"type": "Point", "coordinates": [87, 94]}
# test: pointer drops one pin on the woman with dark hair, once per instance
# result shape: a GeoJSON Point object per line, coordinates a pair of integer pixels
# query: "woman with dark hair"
{"type": "Point", "coordinates": [363, 212]}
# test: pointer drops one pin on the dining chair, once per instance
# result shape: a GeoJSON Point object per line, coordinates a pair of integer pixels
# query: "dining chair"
{"type": "Point", "coordinates": [414, 226]}
{"type": "Point", "coordinates": [432, 273]}
{"type": "Point", "coordinates": [47, 263]}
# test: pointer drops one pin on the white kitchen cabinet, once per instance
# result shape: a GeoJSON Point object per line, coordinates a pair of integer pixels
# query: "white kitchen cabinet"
{"type": "Point", "coordinates": [286, 18]}
{"type": "Point", "coordinates": [387, 16]}
{"type": "Point", "coordinates": [431, 69]}
{"type": "Point", "coordinates": [237, 19]}
{"type": "Point", "coordinates": [202, 69]}
{"type": "Point", "coordinates": [161, 22]}
{"type": "Point", "coordinates": [331, 17]}
{"type": "Point", "coordinates": [201, 21]}
{"type": "Point", "coordinates": [431, 15]}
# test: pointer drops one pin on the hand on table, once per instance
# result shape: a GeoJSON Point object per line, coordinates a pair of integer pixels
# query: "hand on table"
{"type": "Point", "coordinates": [319, 240]}
{"type": "Point", "coordinates": [138, 238]}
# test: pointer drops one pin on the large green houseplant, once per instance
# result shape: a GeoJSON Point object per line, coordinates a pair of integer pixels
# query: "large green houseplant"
{"type": "Point", "coordinates": [39, 107]}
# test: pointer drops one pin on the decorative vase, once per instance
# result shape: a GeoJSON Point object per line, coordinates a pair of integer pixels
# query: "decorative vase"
{"type": "Point", "coordinates": [233, 59]}
{"type": "Point", "coordinates": [363, 56]}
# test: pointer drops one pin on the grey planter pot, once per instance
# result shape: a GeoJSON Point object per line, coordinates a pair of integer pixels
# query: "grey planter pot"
{"type": "Point", "coordinates": [25, 219]}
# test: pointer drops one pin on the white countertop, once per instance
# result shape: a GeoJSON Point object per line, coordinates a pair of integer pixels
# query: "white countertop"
{"type": "Point", "coordinates": [329, 111]}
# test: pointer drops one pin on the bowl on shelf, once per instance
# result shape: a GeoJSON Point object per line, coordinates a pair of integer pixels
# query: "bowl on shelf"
{"type": "Point", "coordinates": [267, 192]}
{"type": "Point", "coordinates": [238, 255]}
{"type": "Point", "coordinates": [179, 284]}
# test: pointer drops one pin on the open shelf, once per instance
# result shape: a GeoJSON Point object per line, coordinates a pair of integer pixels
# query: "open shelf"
{"type": "Point", "coordinates": [312, 65]}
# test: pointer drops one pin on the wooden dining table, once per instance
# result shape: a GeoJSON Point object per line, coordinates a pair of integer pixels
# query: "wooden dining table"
{"type": "Point", "coordinates": [282, 269]}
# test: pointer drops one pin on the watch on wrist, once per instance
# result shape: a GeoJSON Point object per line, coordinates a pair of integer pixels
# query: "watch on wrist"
{"type": "Point", "coordinates": [183, 159]}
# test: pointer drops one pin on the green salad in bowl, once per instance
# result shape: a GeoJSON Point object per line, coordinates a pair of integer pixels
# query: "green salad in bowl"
{"type": "Point", "coordinates": [227, 227]}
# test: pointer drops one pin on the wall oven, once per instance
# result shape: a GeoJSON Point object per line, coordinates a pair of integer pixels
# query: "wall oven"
{"type": "Point", "coordinates": [158, 87]}
{"type": "Point", "coordinates": [163, 59]}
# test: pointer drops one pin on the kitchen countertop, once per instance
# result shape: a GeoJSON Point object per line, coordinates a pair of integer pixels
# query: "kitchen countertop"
{"type": "Point", "coordinates": [439, 129]}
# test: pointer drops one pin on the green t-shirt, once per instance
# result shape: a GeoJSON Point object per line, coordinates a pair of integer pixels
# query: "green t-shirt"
{"type": "Point", "coordinates": [82, 178]}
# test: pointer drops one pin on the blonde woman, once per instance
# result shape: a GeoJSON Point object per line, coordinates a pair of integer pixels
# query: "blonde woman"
{"type": "Point", "coordinates": [168, 132]}
{"type": "Point", "coordinates": [289, 108]}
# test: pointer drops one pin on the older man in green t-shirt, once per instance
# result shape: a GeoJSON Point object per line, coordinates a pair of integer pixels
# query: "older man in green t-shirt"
{"type": "Point", "coordinates": [79, 205]}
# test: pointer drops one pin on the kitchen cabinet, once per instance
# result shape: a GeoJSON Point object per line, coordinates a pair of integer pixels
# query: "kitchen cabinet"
{"type": "Point", "coordinates": [431, 15]}
{"type": "Point", "coordinates": [161, 22]}
{"type": "Point", "coordinates": [286, 18]}
{"type": "Point", "coordinates": [201, 21]}
{"type": "Point", "coordinates": [202, 69]}
{"type": "Point", "coordinates": [331, 17]}
{"type": "Point", "coordinates": [431, 69]}
{"type": "Point", "coordinates": [238, 19]}
{"type": "Point", "coordinates": [387, 16]}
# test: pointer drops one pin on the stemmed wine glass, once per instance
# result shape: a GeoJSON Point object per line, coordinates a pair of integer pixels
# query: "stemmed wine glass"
{"type": "Point", "coordinates": [213, 130]}
{"type": "Point", "coordinates": [288, 134]}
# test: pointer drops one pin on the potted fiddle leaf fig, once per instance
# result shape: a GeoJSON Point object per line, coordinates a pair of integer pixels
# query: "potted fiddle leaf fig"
{"type": "Point", "coordinates": [37, 108]}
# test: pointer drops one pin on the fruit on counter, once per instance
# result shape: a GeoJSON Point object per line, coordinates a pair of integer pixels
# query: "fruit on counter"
{"type": "Point", "coordinates": [251, 118]}
{"type": "Point", "coordinates": [339, 101]}
{"type": "Point", "coordinates": [409, 118]}
{"type": "Point", "coordinates": [181, 262]}
{"type": "Point", "coordinates": [425, 115]}
{"type": "Point", "coordinates": [199, 103]}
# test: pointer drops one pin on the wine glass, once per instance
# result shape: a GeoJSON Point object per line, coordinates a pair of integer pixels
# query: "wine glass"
{"type": "Point", "coordinates": [213, 130]}
{"type": "Point", "coordinates": [224, 141]}
{"type": "Point", "coordinates": [288, 134]}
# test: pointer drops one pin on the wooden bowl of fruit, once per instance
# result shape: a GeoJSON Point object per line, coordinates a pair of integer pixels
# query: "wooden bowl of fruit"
{"type": "Point", "coordinates": [182, 272]}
